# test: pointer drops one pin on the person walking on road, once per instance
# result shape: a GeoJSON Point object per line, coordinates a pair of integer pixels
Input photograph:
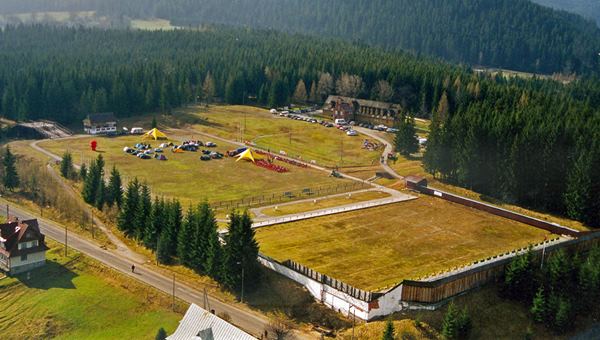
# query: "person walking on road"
{"type": "Point", "coordinates": [133, 268]}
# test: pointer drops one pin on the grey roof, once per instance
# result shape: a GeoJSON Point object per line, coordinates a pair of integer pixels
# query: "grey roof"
{"type": "Point", "coordinates": [200, 324]}
{"type": "Point", "coordinates": [363, 102]}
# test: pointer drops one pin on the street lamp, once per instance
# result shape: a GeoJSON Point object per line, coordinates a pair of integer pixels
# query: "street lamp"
{"type": "Point", "coordinates": [242, 294]}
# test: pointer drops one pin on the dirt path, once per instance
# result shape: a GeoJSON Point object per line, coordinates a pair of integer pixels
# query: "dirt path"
{"type": "Point", "coordinates": [389, 148]}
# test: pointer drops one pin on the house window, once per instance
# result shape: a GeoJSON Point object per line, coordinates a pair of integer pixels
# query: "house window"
{"type": "Point", "coordinates": [24, 257]}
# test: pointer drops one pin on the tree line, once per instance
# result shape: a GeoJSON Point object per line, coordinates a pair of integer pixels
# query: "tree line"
{"type": "Point", "coordinates": [490, 134]}
{"type": "Point", "coordinates": [191, 238]}
{"type": "Point", "coordinates": [514, 34]}
{"type": "Point", "coordinates": [564, 287]}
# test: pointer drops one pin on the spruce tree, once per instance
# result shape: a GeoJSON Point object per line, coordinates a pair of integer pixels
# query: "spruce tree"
{"type": "Point", "coordinates": [464, 324]}
{"type": "Point", "coordinates": [143, 211]}
{"type": "Point", "coordinates": [406, 137]}
{"type": "Point", "coordinates": [100, 194]}
{"type": "Point", "coordinates": [156, 224]}
{"type": "Point", "coordinates": [578, 186]}
{"type": "Point", "coordinates": [185, 239]}
{"type": "Point", "coordinates": [389, 332]}
{"type": "Point", "coordinates": [66, 165]}
{"type": "Point", "coordinates": [450, 324]}
{"type": "Point", "coordinates": [563, 316]}
{"type": "Point", "coordinates": [154, 122]}
{"type": "Point", "coordinates": [114, 191]}
{"type": "Point", "coordinates": [214, 261]}
{"type": "Point", "coordinates": [127, 217]}
{"type": "Point", "coordinates": [538, 310]}
{"type": "Point", "coordinates": [241, 251]}
{"type": "Point", "coordinates": [163, 248]}
{"type": "Point", "coordinates": [11, 177]}
{"type": "Point", "coordinates": [519, 277]}
{"type": "Point", "coordinates": [199, 241]}
{"type": "Point", "coordinates": [172, 226]}
{"type": "Point", "coordinates": [83, 172]}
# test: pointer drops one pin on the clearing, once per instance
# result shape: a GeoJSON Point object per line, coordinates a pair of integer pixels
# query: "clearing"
{"type": "Point", "coordinates": [327, 146]}
{"type": "Point", "coordinates": [186, 177]}
{"type": "Point", "coordinates": [56, 302]}
{"type": "Point", "coordinates": [377, 248]}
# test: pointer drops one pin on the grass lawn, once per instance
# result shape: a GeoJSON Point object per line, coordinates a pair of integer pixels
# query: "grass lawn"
{"type": "Point", "coordinates": [379, 247]}
{"type": "Point", "coordinates": [186, 177]}
{"type": "Point", "coordinates": [78, 298]}
{"type": "Point", "coordinates": [325, 203]}
{"type": "Point", "coordinates": [308, 140]}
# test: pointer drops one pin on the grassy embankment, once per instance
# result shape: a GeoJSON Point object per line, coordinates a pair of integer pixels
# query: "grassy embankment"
{"type": "Point", "coordinates": [76, 297]}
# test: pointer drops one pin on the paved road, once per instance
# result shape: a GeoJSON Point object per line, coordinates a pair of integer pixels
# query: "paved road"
{"type": "Point", "coordinates": [252, 322]}
{"type": "Point", "coordinates": [389, 148]}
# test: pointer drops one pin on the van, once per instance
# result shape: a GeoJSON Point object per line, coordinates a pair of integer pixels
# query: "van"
{"type": "Point", "coordinates": [137, 131]}
{"type": "Point", "coordinates": [340, 121]}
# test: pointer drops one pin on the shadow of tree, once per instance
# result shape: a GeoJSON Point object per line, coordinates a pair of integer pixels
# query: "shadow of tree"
{"type": "Point", "coordinates": [52, 275]}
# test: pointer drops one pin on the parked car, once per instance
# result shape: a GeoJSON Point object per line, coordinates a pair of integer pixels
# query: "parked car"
{"type": "Point", "coordinates": [352, 133]}
{"type": "Point", "coordinates": [205, 158]}
{"type": "Point", "coordinates": [391, 130]}
{"type": "Point", "coordinates": [340, 121]}
{"type": "Point", "coordinates": [137, 131]}
{"type": "Point", "coordinates": [210, 145]}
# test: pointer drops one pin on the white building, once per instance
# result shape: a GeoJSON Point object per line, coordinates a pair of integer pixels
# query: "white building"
{"type": "Point", "coordinates": [100, 124]}
{"type": "Point", "coordinates": [200, 324]}
{"type": "Point", "coordinates": [22, 246]}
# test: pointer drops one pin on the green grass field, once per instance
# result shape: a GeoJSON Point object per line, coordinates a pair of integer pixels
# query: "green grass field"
{"type": "Point", "coordinates": [186, 177]}
{"type": "Point", "coordinates": [327, 146]}
{"type": "Point", "coordinates": [379, 247]}
{"type": "Point", "coordinates": [77, 298]}
{"type": "Point", "coordinates": [324, 203]}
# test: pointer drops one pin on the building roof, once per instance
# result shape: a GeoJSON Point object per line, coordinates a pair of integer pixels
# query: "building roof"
{"type": "Point", "coordinates": [13, 233]}
{"type": "Point", "coordinates": [364, 102]}
{"type": "Point", "coordinates": [100, 118]}
{"type": "Point", "coordinates": [200, 324]}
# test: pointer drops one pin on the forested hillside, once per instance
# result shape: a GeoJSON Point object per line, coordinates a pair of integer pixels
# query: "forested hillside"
{"type": "Point", "coordinates": [513, 34]}
{"type": "Point", "coordinates": [587, 8]}
{"type": "Point", "coordinates": [531, 142]}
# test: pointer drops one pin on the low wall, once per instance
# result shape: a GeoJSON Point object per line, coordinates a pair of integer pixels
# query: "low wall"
{"type": "Point", "coordinates": [551, 227]}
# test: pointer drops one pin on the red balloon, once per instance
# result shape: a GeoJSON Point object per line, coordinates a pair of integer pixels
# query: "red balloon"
{"type": "Point", "coordinates": [93, 145]}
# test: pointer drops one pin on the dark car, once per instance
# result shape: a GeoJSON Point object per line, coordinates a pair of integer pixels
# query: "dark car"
{"type": "Point", "coordinates": [205, 158]}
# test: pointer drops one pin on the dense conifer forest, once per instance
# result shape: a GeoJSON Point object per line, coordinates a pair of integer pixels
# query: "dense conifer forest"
{"type": "Point", "coordinates": [513, 34]}
{"type": "Point", "coordinates": [531, 142]}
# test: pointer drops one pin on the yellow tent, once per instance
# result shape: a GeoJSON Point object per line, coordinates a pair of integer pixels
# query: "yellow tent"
{"type": "Point", "coordinates": [155, 134]}
{"type": "Point", "coordinates": [248, 155]}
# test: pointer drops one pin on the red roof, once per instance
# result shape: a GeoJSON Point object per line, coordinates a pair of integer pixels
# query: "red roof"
{"type": "Point", "coordinates": [13, 233]}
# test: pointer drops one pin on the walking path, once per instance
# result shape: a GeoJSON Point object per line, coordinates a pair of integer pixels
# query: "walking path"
{"type": "Point", "coordinates": [389, 148]}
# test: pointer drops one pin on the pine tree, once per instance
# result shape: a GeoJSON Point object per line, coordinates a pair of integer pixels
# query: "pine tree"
{"type": "Point", "coordinates": [450, 323]}
{"type": "Point", "coordinates": [389, 332]}
{"type": "Point", "coordinates": [154, 122]}
{"type": "Point", "coordinates": [199, 239]}
{"type": "Point", "coordinates": [100, 195]}
{"type": "Point", "coordinates": [578, 185]}
{"type": "Point", "coordinates": [277, 94]}
{"type": "Point", "coordinates": [161, 334]}
{"type": "Point", "coordinates": [464, 324]}
{"type": "Point", "coordinates": [114, 191]}
{"type": "Point", "coordinates": [172, 226]}
{"type": "Point", "coordinates": [519, 277]}
{"type": "Point", "coordinates": [214, 261]}
{"type": "Point", "coordinates": [300, 95]}
{"type": "Point", "coordinates": [155, 225]}
{"type": "Point", "coordinates": [235, 90]}
{"type": "Point", "coordinates": [11, 177]}
{"type": "Point", "coordinates": [538, 310]}
{"type": "Point", "coordinates": [127, 217]}
{"type": "Point", "coordinates": [563, 317]}
{"type": "Point", "coordinates": [66, 165]}
{"type": "Point", "coordinates": [208, 88]}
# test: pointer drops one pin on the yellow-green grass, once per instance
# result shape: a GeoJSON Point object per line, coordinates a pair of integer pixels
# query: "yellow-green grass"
{"type": "Point", "coordinates": [78, 298]}
{"type": "Point", "coordinates": [187, 178]}
{"type": "Point", "coordinates": [327, 146]}
{"type": "Point", "coordinates": [152, 25]}
{"type": "Point", "coordinates": [376, 248]}
{"type": "Point", "coordinates": [325, 203]}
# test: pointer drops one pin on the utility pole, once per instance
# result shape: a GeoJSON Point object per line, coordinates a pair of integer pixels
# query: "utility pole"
{"type": "Point", "coordinates": [66, 239]}
{"type": "Point", "coordinates": [92, 223]}
{"type": "Point", "coordinates": [242, 297]}
{"type": "Point", "coordinates": [7, 213]}
{"type": "Point", "coordinates": [342, 150]}
{"type": "Point", "coordinates": [173, 291]}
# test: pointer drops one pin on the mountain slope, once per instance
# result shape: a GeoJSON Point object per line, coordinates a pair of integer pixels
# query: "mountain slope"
{"type": "Point", "coordinates": [514, 34]}
{"type": "Point", "coordinates": [586, 8]}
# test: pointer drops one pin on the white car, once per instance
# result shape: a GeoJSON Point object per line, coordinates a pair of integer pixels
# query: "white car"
{"type": "Point", "coordinates": [352, 133]}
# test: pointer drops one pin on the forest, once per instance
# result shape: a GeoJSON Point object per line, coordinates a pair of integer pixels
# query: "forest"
{"type": "Point", "coordinates": [512, 34]}
{"type": "Point", "coordinates": [531, 142]}
{"type": "Point", "coordinates": [586, 8]}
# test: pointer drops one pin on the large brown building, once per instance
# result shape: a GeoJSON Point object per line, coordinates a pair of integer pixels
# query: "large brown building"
{"type": "Point", "coordinates": [22, 246]}
{"type": "Point", "coordinates": [361, 110]}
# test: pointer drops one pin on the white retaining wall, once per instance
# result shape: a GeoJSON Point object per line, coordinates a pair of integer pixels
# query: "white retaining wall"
{"type": "Point", "coordinates": [340, 301]}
